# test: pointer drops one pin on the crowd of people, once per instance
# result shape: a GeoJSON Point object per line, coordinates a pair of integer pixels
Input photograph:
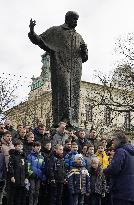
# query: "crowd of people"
{"type": "Point", "coordinates": [64, 167]}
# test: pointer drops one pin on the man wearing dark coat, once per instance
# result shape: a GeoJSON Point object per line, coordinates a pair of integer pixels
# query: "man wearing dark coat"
{"type": "Point", "coordinates": [67, 52]}
{"type": "Point", "coordinates": [121, 171]}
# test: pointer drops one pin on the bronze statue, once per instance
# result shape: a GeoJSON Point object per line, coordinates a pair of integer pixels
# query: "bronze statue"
{"type": "Point", "coordinates": [67, 52]}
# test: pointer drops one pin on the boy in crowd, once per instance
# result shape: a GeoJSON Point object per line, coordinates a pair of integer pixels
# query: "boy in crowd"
{"type": "Point", "coordinates": [2, 173]}
{"type": "Point", "coordinates": [56, 175]}
{"type": "Point", "coordinates": [19, 127]}
{"type": "Point", "coordinates": [78, 181]}
{"type": "Point", "coordinates": [82, 140]}
{"type": "Point", "coordinates": [46, 152]}
{"type": "Point", "coordinates": [67, 147]}
{"type": "Point", "coordinates": [84, 150]}
{"type": "Point", "coordinates": [17, 173]}
{"type": "Point", "coordinates": [103, 141]}
{"type": "Point", "coordinates": [7, 145]}
{"type": "Point", "coordinates": [72, 136]}
{"type": "Point", "coordinates": [22, 135]}
{"type": "Point", "coordinates": [35, 171]}
{"type": "Point", "coordinates": [28, 145]}
{"type": "Point", "coordinates": [69, 158]}
{"type": "Point", "coordinates": [89, 155]}
{"type": "Point", "coordinates": [110, 153]}
{"type": "Point", "coordinates": [101, 154]}
{"type": "Point", "coordinates": [97, 182]}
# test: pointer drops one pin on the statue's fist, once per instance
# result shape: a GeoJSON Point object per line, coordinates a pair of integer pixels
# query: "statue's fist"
{"type": "Point", "coordinates": [32, 25]}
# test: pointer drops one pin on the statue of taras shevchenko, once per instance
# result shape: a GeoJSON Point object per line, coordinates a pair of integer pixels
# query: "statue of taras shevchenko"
{"type": "Point", "coordinates": [67, 53]}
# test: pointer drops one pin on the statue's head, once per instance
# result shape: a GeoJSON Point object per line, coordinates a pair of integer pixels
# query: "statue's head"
{"type": "Point", "coordinates": [71, 18]}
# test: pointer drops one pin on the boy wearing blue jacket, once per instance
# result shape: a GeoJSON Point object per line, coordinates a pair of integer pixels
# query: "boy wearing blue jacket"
{"type": "Point", "coordinates": [69, 158]}
{"type": "Point", "coordinates": [35, 171]}
{"type": "Point", "coordinates": [78, 181]}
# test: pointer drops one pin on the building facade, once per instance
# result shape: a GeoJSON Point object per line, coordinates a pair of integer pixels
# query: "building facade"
{"type": "Point", "coordinates": [101, 106]}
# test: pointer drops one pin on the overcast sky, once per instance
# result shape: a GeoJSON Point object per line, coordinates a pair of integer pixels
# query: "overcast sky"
{"type": "Point", "coordinates": [101, 22]}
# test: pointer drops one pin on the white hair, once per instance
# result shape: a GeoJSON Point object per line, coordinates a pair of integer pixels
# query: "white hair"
{"type": "Point", "coordinates": [95, 159]}
{"type": "Point", "coordinates": [78, 156]}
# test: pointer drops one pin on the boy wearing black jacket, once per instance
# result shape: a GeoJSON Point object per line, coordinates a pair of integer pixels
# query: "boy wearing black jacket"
{"type": "Point", "coordinates": [97, 182]}
{"type": "Point", "coordinates": [28, 145]}
{"type": "Point", "coordinates": [44, 194]}
{"type": "Point", "coordinates": [56, 175]}
{"type": "Point", "coordinates": [2, 173]}
{"type": "Point", "coordinates": [17, 169]}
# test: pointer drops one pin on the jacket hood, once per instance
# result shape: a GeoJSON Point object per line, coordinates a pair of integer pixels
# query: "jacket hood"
{"type": "Point", "coordinates": [5, 142]}
{"type": "Point", "coordinates": [73, 152]}
{"type": "Point", "coordinates": [15, 152]}
{"type": "Point", "coordinates": [46, 150]}
{"type": "Point", "coordinates": [129, 148]}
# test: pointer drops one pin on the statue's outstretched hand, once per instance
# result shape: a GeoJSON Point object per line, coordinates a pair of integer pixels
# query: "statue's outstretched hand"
{"type": "Point", "coordinates": [32, 25]}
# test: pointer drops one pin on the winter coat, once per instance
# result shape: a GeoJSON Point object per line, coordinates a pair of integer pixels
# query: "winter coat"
{"type": "Point", "coordinates": [5, 150]}
{"type": "Point", "coordinates": [79, 180]}
{"type": "Point", "coordinates": [97, 181]}
{"type": "Point", "coordinates": [121, 171]}
{"type": "Point", "coordinates": [35, 165]}
{"type": "Point", "coordinates": [2, 167]}
{"type": "Point", "coordinates": [23, 140]}
{"type": "Point", "coordinates": [69, 160]}
{"type": "Point", "coordinates": [56, 170]}
{"type": "Point", "coordinates": [59, 138]}
{"type": "Point", "coordinates": [47, 155]}
{"type": "Point", "coordinates": [17, 167]}
{"type": "Point", "coordinates": [104, 159]}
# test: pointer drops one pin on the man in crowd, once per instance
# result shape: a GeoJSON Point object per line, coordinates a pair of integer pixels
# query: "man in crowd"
{"type": "Point", "coordinates": [40, 133]}
{"type": "Point", "coordinates": [22, 135]}
{"type": "Point", "coordinates": [121, 170]}
{"type": "Point", "coordinates": [7, 145]}
{"type": "Point", "coordinates": [9, 127]}
{"type": "Point", "coordinates": [19, 127]}
{"type": "Point", "coordinates": [81, 141]}
{"type": "Point", "coordinates": [60, 136]}
{"type": "Point", "coordinates": [2, 129]}
{"type": "Point", "coordinates": [93, 138]}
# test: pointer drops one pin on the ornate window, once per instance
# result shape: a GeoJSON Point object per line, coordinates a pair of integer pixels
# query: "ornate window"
{"type": "Point", "coordinates": [89, 113]}
{"type": "Point", "coordinates": [127, 120]}
{"type": "Point", "coordinates": [107, 115]}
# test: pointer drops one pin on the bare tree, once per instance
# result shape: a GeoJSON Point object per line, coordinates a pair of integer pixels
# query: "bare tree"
{"type": "Point", "coordinates": [9, 89]}
{"type": "Point", "coordinates": [124, 47]}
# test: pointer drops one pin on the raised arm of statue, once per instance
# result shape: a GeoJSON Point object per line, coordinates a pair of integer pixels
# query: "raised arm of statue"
{"type": "Point", "coordinates": [34, 38]}
{"type": "Point", "coordinates": [32, 25]}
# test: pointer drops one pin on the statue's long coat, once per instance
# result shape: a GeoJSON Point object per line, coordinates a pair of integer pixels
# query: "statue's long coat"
{"type": "Point", "coordinates": [66, 68]}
